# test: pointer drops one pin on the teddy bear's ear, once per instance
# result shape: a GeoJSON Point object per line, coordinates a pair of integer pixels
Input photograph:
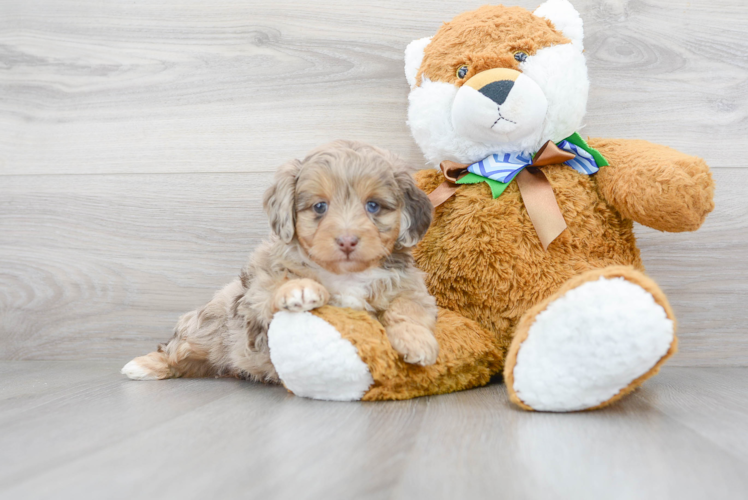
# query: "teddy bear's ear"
{"type": "Point", "coordinates": [565, 18]}
{"type": "Point", "coordinates": [413, 58]}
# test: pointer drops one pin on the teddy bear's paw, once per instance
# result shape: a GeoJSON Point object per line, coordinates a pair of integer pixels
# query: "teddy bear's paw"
{"type": "Point", "coordinates": [590, 346]}
{"type": "Point", "coordinates": [415, 342]}
{"type": "Point", "coordinates": [314, 361]}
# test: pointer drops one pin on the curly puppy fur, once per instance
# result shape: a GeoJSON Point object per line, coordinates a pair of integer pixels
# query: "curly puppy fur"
{"type": "Point", "coordinates": [344, 220]}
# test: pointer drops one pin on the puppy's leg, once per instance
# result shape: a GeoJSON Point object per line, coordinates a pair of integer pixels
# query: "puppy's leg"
{"type": "Point", "coordinates": [152, 366]}
{"type": "Point", "coordinates": [184, 361]}
{"type": "Point", "coordinates": [410, 326]}
{"type": "Point", "coordinates": [197, 342]}
{"type": "Point", "coordinates": [300, 295]}
{"type": "Point", "coordinates": [180, 357]}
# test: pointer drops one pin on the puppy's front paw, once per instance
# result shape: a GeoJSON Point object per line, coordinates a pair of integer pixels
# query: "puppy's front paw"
{"type": "Point", "coordinates": [300, 295]}
{"type": "Point", "coordinates": [415, 342]}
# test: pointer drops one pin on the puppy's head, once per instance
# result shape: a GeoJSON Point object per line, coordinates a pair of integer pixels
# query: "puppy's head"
{"type": "Point", "coordinates": [349, 205]}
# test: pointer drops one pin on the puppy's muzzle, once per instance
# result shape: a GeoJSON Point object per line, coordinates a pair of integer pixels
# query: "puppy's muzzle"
{"type": "Point", "coordinates": [499, 105]}
{"type": "Point", "coordinates": [347, 243]}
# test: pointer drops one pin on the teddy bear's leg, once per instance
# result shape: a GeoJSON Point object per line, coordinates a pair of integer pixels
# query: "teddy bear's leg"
{"type": "Point", "coordinates": [595, 340]}
{"type": "Point", "coordinates": [344, 355]}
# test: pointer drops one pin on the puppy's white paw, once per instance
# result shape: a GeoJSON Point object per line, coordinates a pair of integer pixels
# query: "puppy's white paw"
{"type": "Point", "coordinates": [415, 342]}
{"type": "Point", "coordinates": [300, 295]}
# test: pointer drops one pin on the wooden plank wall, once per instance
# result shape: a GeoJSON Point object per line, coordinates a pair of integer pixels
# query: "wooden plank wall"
{"type": "Point", "coordinates": [136, 139]}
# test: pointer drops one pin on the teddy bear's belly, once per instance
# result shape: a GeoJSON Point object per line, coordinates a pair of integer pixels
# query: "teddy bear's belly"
{"type": "Point", "coordinates": [483, 258]}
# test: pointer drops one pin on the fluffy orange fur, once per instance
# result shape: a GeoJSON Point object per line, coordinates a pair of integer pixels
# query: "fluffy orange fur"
{"type": "Point", "coordinates": [462, 41]}
{"type": "Point", "coordinates": [468, 356]}
{"type": "Point", "coordinates": [655, 185]}
{"type": "Point", "coordinates": [484, 260]}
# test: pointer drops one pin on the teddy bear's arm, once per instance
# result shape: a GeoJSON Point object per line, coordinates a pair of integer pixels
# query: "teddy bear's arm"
{"type": "Point", "coordinates": [655, 185]}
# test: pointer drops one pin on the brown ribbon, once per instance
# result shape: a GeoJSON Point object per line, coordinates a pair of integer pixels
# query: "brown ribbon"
{"type": "Point", "coordinates": [534, 187]}
{"type": "Point", "coordinates": [452, 171]}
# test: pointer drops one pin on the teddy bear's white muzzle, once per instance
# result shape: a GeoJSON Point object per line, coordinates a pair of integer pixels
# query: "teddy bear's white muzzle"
{"type": "Point", "coordinates": [498, 106]}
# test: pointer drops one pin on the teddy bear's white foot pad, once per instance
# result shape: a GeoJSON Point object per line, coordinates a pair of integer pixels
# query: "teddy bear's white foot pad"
{"type": "Point", "coordinates": [314, 361]}
{"type": "Point", "coordinates": [589, 344]}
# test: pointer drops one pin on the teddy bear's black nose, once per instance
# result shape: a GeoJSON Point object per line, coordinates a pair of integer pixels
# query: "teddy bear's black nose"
{"type": "Point", "coordinates": [498, 91]}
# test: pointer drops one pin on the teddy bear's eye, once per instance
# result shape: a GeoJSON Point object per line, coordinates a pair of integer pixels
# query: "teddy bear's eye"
{"type": "Point", "coordinates": [462, 71]}
{"type": "Point", "coordinates": [520, 56]}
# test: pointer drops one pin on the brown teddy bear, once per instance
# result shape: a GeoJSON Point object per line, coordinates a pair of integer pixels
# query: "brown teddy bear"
{"type": "Point", "coordinates": [531, 255]}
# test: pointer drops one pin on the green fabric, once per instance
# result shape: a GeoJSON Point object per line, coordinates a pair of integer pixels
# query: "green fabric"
{"type": "Point", "coordinates": [471, 178]}
{"type": "Point", "coordinates": [498, 187]}
{"type": "Point", "coordinates": [577, 140]}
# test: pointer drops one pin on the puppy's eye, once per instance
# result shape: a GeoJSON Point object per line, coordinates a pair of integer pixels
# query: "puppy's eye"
{"type": "Point", "coordinates": [520, 56]}
{"type": "Point", "coordinates": [462, 71]}
{"type": "Point", "coordinates": [320, 208]}
{"type": "Point", "coordinates": [372, 207]}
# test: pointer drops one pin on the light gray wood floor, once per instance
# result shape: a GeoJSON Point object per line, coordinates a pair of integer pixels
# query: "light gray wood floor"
{"type": "Point", "coordinates": [80, 430]}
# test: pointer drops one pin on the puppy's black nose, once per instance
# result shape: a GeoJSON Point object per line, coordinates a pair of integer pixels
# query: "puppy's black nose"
{"type": "Point", "coordinates": [347, 243]}
{"type": "Point", "coordinates": [498, 91]}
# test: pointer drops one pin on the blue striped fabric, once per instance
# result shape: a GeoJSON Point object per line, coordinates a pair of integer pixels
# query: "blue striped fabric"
{"type": "Point", "coordinates": [584, 163]}
{"type": "Point", "coordinates": [503, 168]}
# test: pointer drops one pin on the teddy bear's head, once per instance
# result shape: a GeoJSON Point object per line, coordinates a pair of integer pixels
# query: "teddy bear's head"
{"type": "Point", "coordinates": [497, 80]}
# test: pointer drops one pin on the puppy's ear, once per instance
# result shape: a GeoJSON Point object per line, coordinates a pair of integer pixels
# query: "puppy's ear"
{"type": "Point", "coordinates": [417, 211]}
{"type": "Point", "coordinates": [280, 201]}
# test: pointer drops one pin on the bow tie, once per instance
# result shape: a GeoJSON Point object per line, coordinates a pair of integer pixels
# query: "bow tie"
{"type": "Point", "coordinates": [499, 170]}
